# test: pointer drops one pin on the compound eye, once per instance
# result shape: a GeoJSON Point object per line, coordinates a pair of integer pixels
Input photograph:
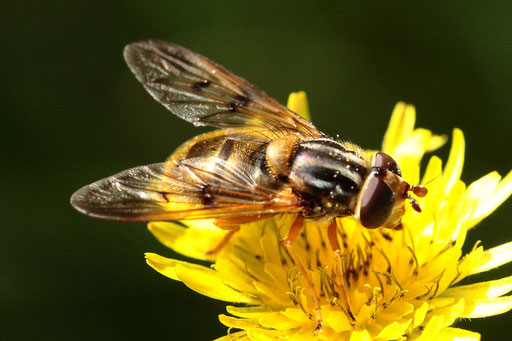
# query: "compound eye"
{"type": "Point", "coordinates": [383, 160]}
{"type": "Point", "coordinates": [377, 202]}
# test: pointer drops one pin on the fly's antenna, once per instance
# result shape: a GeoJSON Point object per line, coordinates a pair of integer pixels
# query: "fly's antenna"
{"type": "Point", "coordinates": [420, 191]}
{"type": "Point", "coordinates": [431, 180]}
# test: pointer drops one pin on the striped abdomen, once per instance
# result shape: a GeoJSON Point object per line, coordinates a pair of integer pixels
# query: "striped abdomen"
{"type": "Point", "coordinates": [242, 151]}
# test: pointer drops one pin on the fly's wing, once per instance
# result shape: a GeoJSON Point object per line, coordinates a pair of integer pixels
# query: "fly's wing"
{"type": "Point", "coordinates": [182, 190]}
{"type": "Point", "coordinates": [204, 93]}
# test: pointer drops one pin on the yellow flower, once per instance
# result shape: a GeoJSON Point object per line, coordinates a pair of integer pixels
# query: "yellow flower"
{"type": "Point", "coordinates": [400, 284]}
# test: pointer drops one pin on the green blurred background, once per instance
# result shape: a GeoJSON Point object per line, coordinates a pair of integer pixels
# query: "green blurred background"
{"type": "Point", "coordinates": [72, 113]}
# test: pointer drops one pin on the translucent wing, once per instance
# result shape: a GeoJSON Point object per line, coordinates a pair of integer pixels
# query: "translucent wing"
{"type": "Point", "coordinates": [204, 93]}
{"type": "Point", "coordinates": [181, 190]}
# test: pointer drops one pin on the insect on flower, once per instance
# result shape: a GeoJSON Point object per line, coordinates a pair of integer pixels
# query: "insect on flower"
{"type": "Point", "coordinates": [265, 160]}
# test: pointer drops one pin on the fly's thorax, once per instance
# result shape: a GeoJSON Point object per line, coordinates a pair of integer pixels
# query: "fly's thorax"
{"type": "Point", "coordinates": [327, 176]}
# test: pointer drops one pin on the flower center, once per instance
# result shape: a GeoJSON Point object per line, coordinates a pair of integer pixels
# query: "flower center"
{"type": "Point", "coordinates": [377, 270]}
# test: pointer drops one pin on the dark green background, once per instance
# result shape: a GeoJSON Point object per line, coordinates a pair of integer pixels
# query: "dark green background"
{"type": "Point", "coordinates": [72, 113]}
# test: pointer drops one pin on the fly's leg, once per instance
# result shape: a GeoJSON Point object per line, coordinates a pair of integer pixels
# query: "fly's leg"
{"type": "Point", "coordinates": [231, 225]}
{"type": "Point", "coordinates": [340, 278]}
{"type": "Point", "coordinates": [231, 230]}
{"type": "Point", "coordinates": [294, 232]}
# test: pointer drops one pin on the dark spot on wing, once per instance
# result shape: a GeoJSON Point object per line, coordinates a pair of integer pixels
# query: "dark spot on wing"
{"type": "Point", "coordinates": [232, 106]}
{"type": "Point", "coordinates": [201, 85]}
{"type": "Point", "coordinates": [240, 101]}
{"type": "Point", "coordinates": [162, 194]}
{"type": "Point", "coordinates": [158, 80]}
{"type": "Point", "coordinates": [206, 196]}
{"type": "Point", "coordinates": [243, 100]}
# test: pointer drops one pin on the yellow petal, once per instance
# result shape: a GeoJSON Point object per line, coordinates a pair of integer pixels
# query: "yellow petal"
{"type": "Point", "coordinates": [198, 278]}
{"type": "Point", "coordinates": [296, 314]}
{"type": "Point", "coordinates": [433, 170]}
{"type": "Point", "coordinates": [360, 336]}
{"type": "Point", "coordinates": [419, 314]}
{"type": "Point", "coordinates": [166, 266]}
{"type": "Point", "coordinates": [431, 329]}
{"type": "Point", "coordinates": [268, 246]}
{"type": "Point", "coordinates": [397, 310]}
{"type": "Point", "coordinates": [208, 282]}
{"type": "Point", "coordinates": [191, 242]}
{"type": "Point", "coordinates": [278, 321]}
{"type": "Point", "coordinates": [270, 292]}
{"type": "Point", "coordinates": [468, 263]}
{"type": "Point", "coordinates": [337, 320]}
{"type": "Point", "coordinates": [166, 233]}
{"type": "Point", "coordinates": [451, 312]}
{"type": "Point", "coordinates": [455, 161]}
{"type": "Point", "coordinates": [278, 274]}
{"type": "Point", "coordinates": [400, 127]}
{"type": "Point", "coordinates": [441, 302]}
{"type": "Point", "coordinates": [484, 186]}
{"type": "Point", "coordinates": [494, 257]}
{"type": "Point", "coordinates": [247, 312]}
{"type": "Point", "coordinates": [260, 334]}
{"type": "Point", "coordinates": [435, 142]}
{"type": "Point", "coordinates": [394, 331]}
{"type": "Point", "coordinates": [234, 322]}
{"type": "Point", "coordinates": [238, 336]}
{"type": "Point", "coordinates": [238, 278]}
{"type": "Point", "coordinates": [478, 193]}
{"type": "Point", "coordinates": [298, 103]}
{"type": "Point", "coordinates": [487, 307]}
{"type": "Point", "coordinates": [499, 195]}
{"type": "Point", "coordinates": [457, 334]}
{"type": "Point", "coordinates": [488, 289]}
{"type": "Point", "coordinates": [421, 140]}
{"type": "Point", "coordinates": [445, 263]}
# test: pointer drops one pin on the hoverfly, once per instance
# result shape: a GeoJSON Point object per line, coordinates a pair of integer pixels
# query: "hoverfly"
{"type": "Point", "coordinates": [264, 160]}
